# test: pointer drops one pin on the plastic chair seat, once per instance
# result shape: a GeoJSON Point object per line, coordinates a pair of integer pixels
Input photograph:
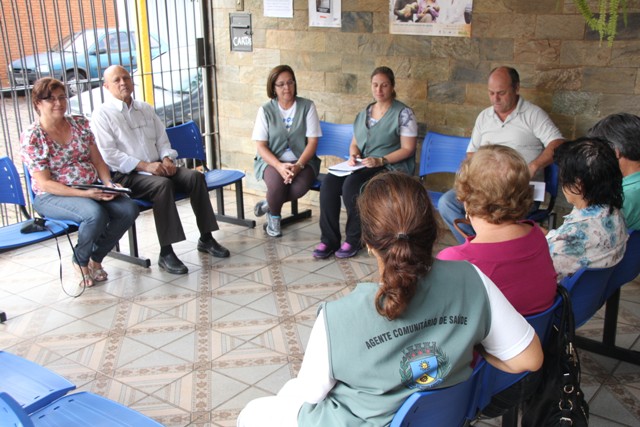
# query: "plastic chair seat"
{"type": "Point", "coordinates": [218, 178]}
{"type": "Point", "coordinates": [31, 385]}
{"type": "Point", "coordinates": [75, 410]}
{"type": "Point", "coordinates": [11, 194]}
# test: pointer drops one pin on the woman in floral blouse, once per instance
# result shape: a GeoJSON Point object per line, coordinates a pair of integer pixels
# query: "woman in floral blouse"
{"type": "Point", "coordinates": [60, 151]}
{"type": "Point", "coordinates": [594, 233]}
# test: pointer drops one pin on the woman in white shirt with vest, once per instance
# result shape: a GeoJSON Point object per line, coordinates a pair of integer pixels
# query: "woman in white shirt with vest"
{"type": "Point", "coordinates": [286, 134]}
{"type": "Point", "coordinates": [414, 330]}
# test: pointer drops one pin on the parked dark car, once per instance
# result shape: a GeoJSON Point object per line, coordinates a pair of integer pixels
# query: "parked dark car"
{"type": "Point", "coordinates": [81, 58]}
{"type": "Point", "coordinates": [177, 89]}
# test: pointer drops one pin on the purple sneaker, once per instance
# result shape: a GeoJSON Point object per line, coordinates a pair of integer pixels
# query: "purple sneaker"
{"type": "Point", "coordinates": [322, 251]}
{"type": "Point", "coordinates": [347, 250]}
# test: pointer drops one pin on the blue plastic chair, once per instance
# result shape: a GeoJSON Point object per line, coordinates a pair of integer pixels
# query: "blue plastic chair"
{"type": "Point", "coordinates": [551, 187]}
{"type": "Point", "coordinates": [624, 272]}
{"type": "Point", "coordinates": [587, 287]}
{"type": "Point", "coordinates": [74, 410]}
{"type": "Point", "coordinates": [494, 381]}
{"type": "Point", "coordinates": [31, 385]}
{"type": "Point", "coordinates": [335, 141]}
{"type": "Point", "coordinates": [628, 268]}
{"type": "Point", "coordinates": [441, 153]}
{"type": "Point", "coordinates": [11, 194]}
{"type": "Point", "coordinates": [443, 407]}
{"type": "Point", "coordinates": [186, 139]}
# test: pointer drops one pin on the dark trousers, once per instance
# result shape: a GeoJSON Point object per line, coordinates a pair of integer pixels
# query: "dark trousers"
{"type": "Point", "coordinates": [349, 188]}
{"type": "Point", "coordinates": [161, 191]}
{"type": "Point", "coordinates": [278, 192]}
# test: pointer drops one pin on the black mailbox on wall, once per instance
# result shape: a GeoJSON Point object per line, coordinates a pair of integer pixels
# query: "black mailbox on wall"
{"type": "Point", "coordinates": [241, 34]}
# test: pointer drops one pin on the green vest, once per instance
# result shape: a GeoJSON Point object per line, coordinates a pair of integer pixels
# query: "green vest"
{"type": "Point", "coordinates": [280, 139]}
{"type": "Point", "coordinates": [378, 363]}
{"type": "Point", "coordinates": [383, 137]}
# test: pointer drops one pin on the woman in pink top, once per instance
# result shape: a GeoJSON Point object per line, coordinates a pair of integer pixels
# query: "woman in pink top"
{"type": "Point", "coordinates": [494, 186]}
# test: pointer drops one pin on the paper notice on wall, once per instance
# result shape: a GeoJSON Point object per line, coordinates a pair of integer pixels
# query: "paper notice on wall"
{"type": "Point", "coordinates": [450, 18]}
{"type": "Point", "coordinates": [325, 13]}
{"type": "Point", "coordinates": [278, 8]}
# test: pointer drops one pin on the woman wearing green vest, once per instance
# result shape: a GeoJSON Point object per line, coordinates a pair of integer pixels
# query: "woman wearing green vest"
{"type": "Point", "coordinates": [384, 138]}
{"type": "Point", "coordinates": [286, 134]}
{"type": "Point", "coordinates": [414, 330]}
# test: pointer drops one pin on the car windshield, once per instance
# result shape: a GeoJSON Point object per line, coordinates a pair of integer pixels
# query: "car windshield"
{"type": "Point", "coordinates": [176, 73]}
{"type": "Point", "coordinates": [66, 42]}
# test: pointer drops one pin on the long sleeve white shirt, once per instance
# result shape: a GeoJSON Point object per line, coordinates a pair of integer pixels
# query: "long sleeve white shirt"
{"type": "Point", "coordinates": [127, 135]}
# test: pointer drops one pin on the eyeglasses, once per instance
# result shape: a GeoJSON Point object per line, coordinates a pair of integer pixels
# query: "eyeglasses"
{"type": "Point", "coordinates": [53, 99]}
{"type": "Point", "coordinates": [283, 84]}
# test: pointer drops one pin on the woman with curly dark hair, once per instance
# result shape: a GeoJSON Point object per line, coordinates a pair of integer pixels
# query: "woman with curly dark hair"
{"type": "Point", "coordinates": [493, 186]}
{"type": "Point", "coordinates": [415, 330]}
{"type": "Point", "coordinates": [594, 233]}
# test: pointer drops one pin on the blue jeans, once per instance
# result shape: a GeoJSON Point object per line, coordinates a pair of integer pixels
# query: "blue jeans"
{"type": "Point", "coordinates": [450, 208]}
{"type": "Point", "coordinates": [101, 224]}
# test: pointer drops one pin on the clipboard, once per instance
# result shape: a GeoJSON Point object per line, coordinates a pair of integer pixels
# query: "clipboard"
{"type": "Point", "coordinates": [105, 188]}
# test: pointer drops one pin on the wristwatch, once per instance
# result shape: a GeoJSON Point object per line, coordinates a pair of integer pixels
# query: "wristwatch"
{"type": "Point", "coordinates": [384, 161]}
{"type": "Point", "coordinates": [300, 165]}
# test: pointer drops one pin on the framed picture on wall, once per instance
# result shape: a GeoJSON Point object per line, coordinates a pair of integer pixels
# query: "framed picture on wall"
{"type": "Point", "coordinates": [450, 18]}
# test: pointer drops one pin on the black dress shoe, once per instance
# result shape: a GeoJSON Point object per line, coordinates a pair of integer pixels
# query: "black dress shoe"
{"type": "Point", "coordinates": [171, 264]}
{"type": "Point", "coordinates": [214, 248]}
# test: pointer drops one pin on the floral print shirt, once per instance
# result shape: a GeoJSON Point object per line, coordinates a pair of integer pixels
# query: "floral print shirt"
{"type": "Point", "coordinates": [589, 237]}
{"type": "Point", "coordinates": [68, 163]}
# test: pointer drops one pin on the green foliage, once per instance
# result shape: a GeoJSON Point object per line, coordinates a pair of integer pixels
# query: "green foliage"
{"type": "Point", "coordinates": [606, 22]}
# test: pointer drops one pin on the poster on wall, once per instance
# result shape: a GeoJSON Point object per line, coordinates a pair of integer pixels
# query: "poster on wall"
{"type": "Point", "coordinates": [278, 8]}
{"type": "Point", "coordinates": [325, 13]}
{"type": "Point", "coordinates": [431, 17]}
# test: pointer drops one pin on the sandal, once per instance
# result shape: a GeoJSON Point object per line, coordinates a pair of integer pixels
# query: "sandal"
{"type": "Point", "coordinates": [85, 277]}
{"type": "Point", "coordinates": [98, 274]}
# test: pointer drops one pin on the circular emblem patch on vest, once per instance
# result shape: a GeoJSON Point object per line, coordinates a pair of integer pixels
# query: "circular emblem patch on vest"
{"type": "Point", "coordinates": [423, 366]}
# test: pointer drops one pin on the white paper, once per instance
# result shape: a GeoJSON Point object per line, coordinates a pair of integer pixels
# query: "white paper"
{"type": "Point", "coordinates": [538, 190]}
{"type": "Point", "coordinates": [344, 169]}
{"type": "Point", "coordinates": [325, 13]}
{"type": "Point", "coordinates": [278, 8]}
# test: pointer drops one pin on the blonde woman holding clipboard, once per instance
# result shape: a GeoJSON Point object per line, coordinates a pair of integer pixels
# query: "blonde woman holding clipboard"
{"type": "Point", "coordinates": [60, 151]}
{"type": "Point", "coordinates": [385, 136]}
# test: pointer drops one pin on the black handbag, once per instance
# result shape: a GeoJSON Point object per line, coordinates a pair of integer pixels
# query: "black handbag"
{"type": "Point", "coordinates": [559, 400]}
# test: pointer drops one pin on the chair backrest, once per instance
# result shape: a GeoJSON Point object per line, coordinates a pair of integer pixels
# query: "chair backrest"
{"type": "Point", "coordinates": [335, 140]}
{"type": "Point", "coordinates": [27, 182]}
{"type": "Point", "coordinates": [551, 182]}
{"type": "Point", "coordinates": [628, 268]}
{"type": "Point", "coordinates": [442, 153]}
{"type": "Point", "coordinates": [31, 385]}
{"type": "Point", "coordinates": [550, 187]}
{"type": "Point", "coordinates": [587, 287]}
{"type": "Point", "coordinates": [494, 380]}
{"type": "Point", "coordinates": [10, 186]}
{"type": "Point", "coordinates": [443, 407]}
{"type": "Point", "coordinates": [12, 414]}
{"type": "Point", "coordinates": [186, 139]}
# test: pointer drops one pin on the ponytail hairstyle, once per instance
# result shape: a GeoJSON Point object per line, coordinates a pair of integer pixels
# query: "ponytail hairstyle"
{"type": "Point", "coordinates": [398, 222]}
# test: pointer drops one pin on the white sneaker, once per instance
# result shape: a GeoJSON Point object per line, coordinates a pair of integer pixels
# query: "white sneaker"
{"type": "Point", "coordinates": [272, 227]}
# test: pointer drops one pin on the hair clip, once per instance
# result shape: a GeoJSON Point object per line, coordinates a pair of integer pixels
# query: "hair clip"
{"type": "Point", "coordinates": [402, 236]}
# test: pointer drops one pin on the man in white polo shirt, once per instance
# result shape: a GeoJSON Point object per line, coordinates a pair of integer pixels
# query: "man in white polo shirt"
{"type": "Point", "coordinates": [510, 121]}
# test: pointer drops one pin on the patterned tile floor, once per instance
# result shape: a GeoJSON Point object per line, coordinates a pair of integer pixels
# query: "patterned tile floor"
{"type": "Point", "coordinates": [193, 350]}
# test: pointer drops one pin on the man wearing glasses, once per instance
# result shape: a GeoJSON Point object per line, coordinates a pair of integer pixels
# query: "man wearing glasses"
{"type": "Point", "coordinates": [135, 145]}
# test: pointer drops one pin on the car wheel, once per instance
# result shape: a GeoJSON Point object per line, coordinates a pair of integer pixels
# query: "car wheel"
{"type": "Point", "coordinates": [75, 85]}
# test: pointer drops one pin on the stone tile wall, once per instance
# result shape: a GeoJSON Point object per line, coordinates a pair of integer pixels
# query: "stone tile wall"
{"type": "Point", "coordinates": [563, 66]}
